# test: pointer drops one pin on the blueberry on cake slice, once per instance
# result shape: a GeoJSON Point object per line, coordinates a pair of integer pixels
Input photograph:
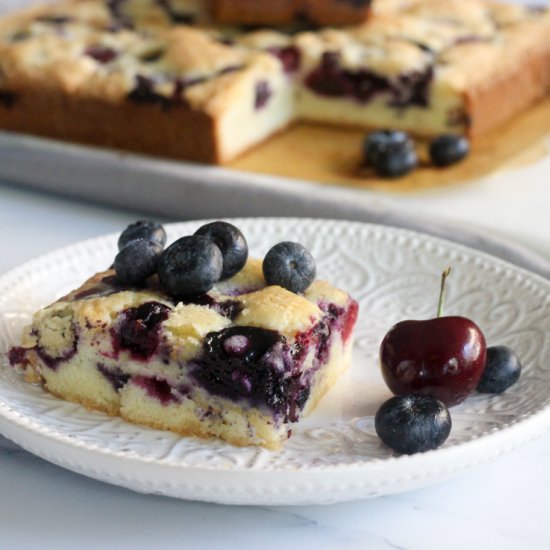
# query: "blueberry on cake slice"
{"type": "Point", "coordinates": [288, 12]}
{"type": "Point", "coordinates": [193, 339]}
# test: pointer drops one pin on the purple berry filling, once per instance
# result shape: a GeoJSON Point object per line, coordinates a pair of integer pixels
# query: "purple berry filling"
{"type": "Point", "coordinates": [144, 89]}
{"type": "Point", "coordinates": [330, 79]}
{"type": "Point", "coordinates": [289, 56]}
{"type": "Point", "coordinates": [263, 94]}
{"type": "Point", "coordinates": [157, 389]}
{"type": "Point", "coordinates": [20, 36]}
{"type": "Point", "coordinates": [236, 364]}
{"type": "Point", "coordinates": [257, 365]}
{"type": "Point", "coordinates": [117, 380]}
{"type": "Point", "coordinates": [137, 330]}
{"type": "Point", "coordinates": [17, 355]}
{"type": "Point", "coordinates": [226, 308]}
{"type": "Point", "coordinates": [54, 362]}
{"type": "Point", "coordinates": [102, 54]}
{"type": "Point", "coordinates": [236, 345]}
{"type": "Point", "coordinates": [144, 92]}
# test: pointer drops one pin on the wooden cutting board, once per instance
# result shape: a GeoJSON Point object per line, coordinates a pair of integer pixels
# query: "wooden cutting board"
{"type": "Point", "coordinates": [331, 155]}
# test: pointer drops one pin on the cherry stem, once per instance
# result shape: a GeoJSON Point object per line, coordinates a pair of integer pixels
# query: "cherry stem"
{"type": "Point", "coordinates": [444, 276]}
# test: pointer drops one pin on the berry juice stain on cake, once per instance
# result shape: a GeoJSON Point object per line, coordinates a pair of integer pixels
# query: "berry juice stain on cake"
{"type": "Point", "coordinates": [138, 330]}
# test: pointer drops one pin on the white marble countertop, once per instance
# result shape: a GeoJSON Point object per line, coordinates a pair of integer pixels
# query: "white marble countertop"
{"type": "Point", "coordinates": [497, 505]}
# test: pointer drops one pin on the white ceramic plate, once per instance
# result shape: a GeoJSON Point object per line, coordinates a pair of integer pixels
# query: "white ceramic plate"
{"type": "Point", "coordinates": [334, 454]}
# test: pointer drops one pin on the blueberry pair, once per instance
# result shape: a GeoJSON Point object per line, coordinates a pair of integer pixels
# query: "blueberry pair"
{"type": "Point", "coordinates": [392, 153]}
{"type": "Point", "coordinates": [193, 264]}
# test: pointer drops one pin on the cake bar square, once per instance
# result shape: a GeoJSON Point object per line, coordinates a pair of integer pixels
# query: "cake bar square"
{"type": "Point", "coordinates": [242, 363]}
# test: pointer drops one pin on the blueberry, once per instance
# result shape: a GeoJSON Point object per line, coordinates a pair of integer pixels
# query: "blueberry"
{"type": "Point", "coordinates": [449, 149]}
{"type": "Point", "coordinates": [143, 229]}
{"type": "Point", "coordinates": [263, 93]}
{"type": "Point", "coordinates": [391, 153]}
{"type": "Point", "coordinates": [413, 423]}
{"type": "Point", "coordinates": [138, 329]}
{"type": "Point", "coordinates": [502, 370]}
{"type": "Point", "coordinates": [381, 140]}
{"type": "Point", "coordinates": [395, 161]}
{"type": "Point", "coordinates": [190, 266]}
{"type": "Point", "coordinates": [289, 265]}
{"type": "Point", "coordinates": [137, 261]}
{"type": "Point", "coordinates": [248, 344]}
{"type": "Point", "coordinates": [232, 244]}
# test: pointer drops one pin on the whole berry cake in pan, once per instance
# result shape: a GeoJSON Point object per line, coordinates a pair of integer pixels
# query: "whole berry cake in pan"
{"type": "Point", "coordinates": [287, 12]}
{"type": "Point", "coordinates": [160, 77]}
{"type": "Point", "coordinates": [196, 338]}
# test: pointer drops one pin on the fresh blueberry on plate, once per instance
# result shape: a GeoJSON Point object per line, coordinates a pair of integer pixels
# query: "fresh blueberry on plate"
{"type": "Point", "coordinates": [413, 423]}
{"type": "Point", "coordinates": [502, 370]}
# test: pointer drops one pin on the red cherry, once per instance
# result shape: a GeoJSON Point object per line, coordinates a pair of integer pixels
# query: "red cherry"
{"type": "Point", "coordinates": [443, 357]}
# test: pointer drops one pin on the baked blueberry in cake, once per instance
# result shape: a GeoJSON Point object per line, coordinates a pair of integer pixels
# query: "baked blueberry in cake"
{"type": "Point", "coordinates": [226, 356]}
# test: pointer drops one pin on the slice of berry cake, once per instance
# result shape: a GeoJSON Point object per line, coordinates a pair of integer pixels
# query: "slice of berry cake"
{"type": "Point", "coordinates": [237, 359]}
